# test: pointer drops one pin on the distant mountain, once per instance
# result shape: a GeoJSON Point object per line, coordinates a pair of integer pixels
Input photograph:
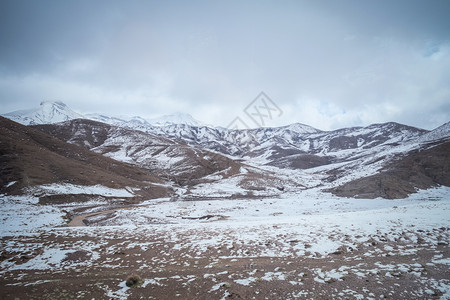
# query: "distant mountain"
{"type": "Point", "coordinates": [282, 146]}
{"type": "Point", "coordinates": [46, 113]}
{"type": "Point", "coordinates": [347, 158]}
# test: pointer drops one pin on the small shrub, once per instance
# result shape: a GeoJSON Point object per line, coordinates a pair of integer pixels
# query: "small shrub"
{"type": "Point", "coordinates": [133, 280]}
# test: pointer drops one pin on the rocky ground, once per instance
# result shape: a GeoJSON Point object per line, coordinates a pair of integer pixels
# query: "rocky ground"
{"type": "Point", "coordinates": [95, 264]}
{"type": "Point", "coordinates": [297, 247]}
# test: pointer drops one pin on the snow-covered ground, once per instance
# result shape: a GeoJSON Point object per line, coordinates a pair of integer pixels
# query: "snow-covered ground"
{"type": "Point", "coordinates": [24, 215]}
{"type": "Point", "coordinates": [319, 220]}
{"type": "Point", "coordinates": [303, 225]}
{"type": "Point", "coordinates": [310, 216]}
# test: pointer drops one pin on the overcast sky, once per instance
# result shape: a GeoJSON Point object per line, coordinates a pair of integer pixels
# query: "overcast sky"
{"type": "Point", "coordinates": [328, 64]}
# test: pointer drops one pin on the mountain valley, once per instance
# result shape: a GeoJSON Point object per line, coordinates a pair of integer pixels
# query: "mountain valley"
{"type": "Point", "coordinates": [203, 212]}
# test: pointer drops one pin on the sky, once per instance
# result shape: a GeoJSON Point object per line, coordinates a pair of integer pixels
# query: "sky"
{"type": "Point", "coordinates": [329, 64]}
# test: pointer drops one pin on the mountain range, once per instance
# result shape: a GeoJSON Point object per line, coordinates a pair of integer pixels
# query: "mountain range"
{"type": "Point", "coordinates": [387, 160]}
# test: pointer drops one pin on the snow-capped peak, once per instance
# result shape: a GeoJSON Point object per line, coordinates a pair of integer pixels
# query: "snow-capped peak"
{"type": "Point", "coordinates": [302, 128]}
{"type": "Point", "coordinates": [48, 112]}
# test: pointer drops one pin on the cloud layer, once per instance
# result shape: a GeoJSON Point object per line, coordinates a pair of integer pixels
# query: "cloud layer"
{"type": "Point", "coordinates": [328, 64]}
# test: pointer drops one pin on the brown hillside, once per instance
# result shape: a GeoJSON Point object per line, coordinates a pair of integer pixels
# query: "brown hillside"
{"type": "Point", "coordinates": [32, 157]}
{"type": "Point", "coordinates": [420, 169]}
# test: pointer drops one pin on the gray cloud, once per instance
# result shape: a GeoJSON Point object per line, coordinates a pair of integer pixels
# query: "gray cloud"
{"type": "Point", "coordinates": [325, 63]}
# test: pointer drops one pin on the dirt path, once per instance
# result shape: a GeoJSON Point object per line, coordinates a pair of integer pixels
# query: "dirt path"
{"type": "Point", "coordinates": [78, 221]}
